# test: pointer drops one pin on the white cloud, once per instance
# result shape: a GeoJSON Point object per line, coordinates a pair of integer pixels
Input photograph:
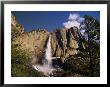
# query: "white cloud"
{"type": "Point", "coordinates": [70, 24]}
{"type": "Point", "coordinates": [74, 19]}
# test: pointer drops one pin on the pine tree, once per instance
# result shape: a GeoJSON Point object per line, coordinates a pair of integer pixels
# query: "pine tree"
{"type": "Point", "coordinates": [92, 28]}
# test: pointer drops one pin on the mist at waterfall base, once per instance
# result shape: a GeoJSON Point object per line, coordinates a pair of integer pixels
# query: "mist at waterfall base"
{"type": "Point", "coordinates": [47, 67]}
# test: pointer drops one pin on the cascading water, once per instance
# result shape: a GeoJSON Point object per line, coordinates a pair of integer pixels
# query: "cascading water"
{"type": "Point", "coordinates": [46, 68]}
{"type": "Point", "coordinates": [48, 54]}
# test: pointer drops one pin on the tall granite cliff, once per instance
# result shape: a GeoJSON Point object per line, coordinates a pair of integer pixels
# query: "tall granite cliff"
{"type": "Point", "coordinates": [65, 42]}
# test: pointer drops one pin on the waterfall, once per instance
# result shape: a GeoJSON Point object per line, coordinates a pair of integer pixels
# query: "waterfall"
{"type": "Point", "coordinates": [46, 68]}
{"type": "Point", "coordinates": [48, 54]}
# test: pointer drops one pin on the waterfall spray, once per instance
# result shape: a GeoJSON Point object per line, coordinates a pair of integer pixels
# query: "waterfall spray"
{"type": "Point", "coordinates": [46, 68]}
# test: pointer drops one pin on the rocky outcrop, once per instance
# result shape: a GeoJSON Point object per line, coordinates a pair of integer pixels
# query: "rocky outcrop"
{"type": "Point", "coordinates": [66, 42]}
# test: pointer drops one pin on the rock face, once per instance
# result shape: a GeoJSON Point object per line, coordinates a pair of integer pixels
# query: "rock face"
{"type": "Point", "coordinates": [32, 41]}
{"type": "Point", "coordinates": [65, 42]}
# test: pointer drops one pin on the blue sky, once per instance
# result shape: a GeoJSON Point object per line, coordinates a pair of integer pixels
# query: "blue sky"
{"type": "Point", "coordinates": [49, 20]}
